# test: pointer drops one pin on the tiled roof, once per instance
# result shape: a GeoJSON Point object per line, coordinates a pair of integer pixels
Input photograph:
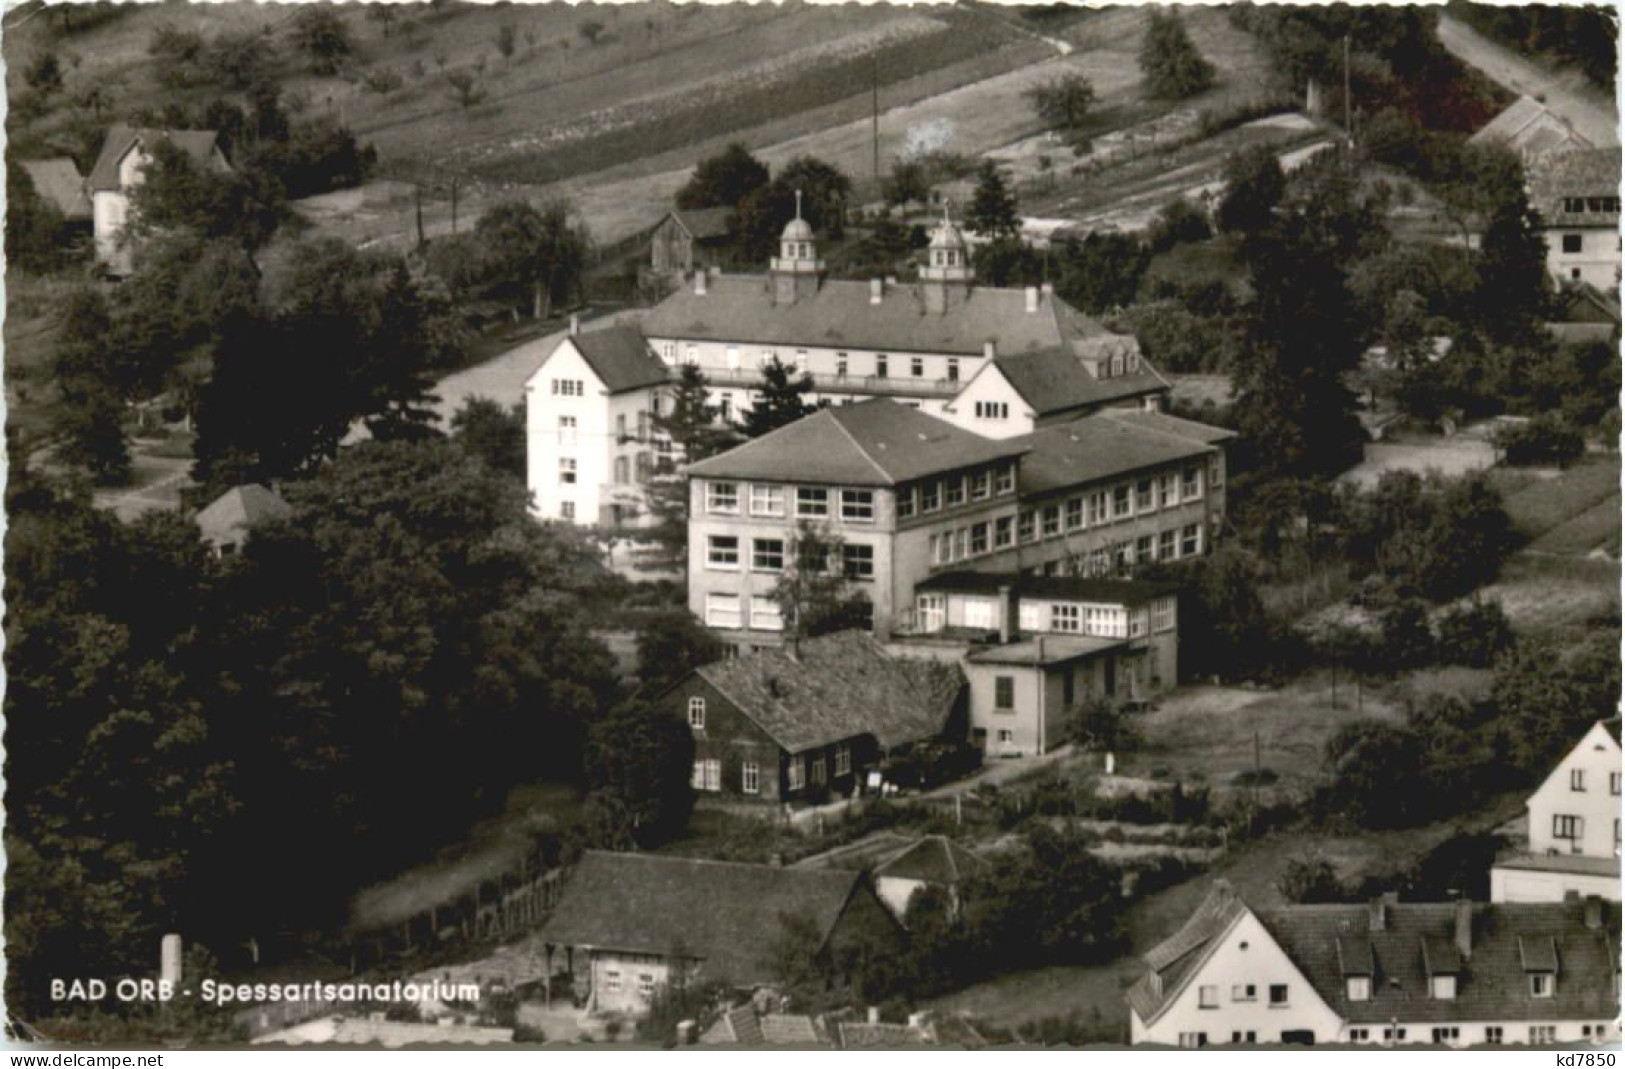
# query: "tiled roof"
{"type": "Point", "coordinates": [1530, 127]}
{"type": "Point", "coordinates": [1507, 940]}
{"type": "Point", "coordinates": [791, 1030]}
{"type": "Point", "coordinates": [1175, 958]}
{"type": "Point", "coordinates": [1581, 302]}
{"type": "Point", "coordinates": [1588, 173]}
{"type": "Point", "coordinates": [59, 184]}
{"type": "Point", "coordinates": [704, 224]}
{"type": "Point", "coordinates": [239, 509]}
{"type": "Point", "coordinates": [198, 144]}
{"type": "Point", "coordinates": [877, 442]}
{"type": "Point", "coordinates": [723, 913]}
{"type": "Point", "coordinates": [838, 687]}
{"type": "Point", "coordinates": [1058, 587]}
{"type": "Point", "coordinates": [619, 356]}
{"type": "Point", "coordinates": [1044, 650]}
{"type": "Point", "coordinates": [740, 308]}
{"type": "Point", "coordinates": [1106, 444]}
{"type": "Point", "coordinates": [934, 859]}
{"type": "Point", "coordinates": [1055, 380]}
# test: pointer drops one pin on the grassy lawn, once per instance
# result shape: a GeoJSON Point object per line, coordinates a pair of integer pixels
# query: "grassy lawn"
{"type": "Point", "coordinates": [1541, 501]}
{"type": "Point", "coordinates": [1544, 595]}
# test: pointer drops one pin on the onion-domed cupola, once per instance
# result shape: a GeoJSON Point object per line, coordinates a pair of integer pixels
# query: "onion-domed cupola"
{"type": "Point", "coordinates": [947, 264]}
{"type": "Point", "coordinates": [796, 268]}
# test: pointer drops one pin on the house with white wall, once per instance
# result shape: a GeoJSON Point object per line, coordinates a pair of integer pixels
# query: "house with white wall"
{"type": "Point", "coordinates": [1576, 195]}
{"type": "Point", "coordinates": [1574, 828]}
{"type": "Point", "coordinates": [591, 449]}
{"type": "Point", "coordinates": [125, 153]}
{"type": "Point", "coordinates": [1383, 973]}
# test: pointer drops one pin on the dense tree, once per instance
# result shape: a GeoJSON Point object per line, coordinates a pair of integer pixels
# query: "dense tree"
{"type": "Point", "coordinates": [724, 180]}
{"type": "Point", "coordinates": [179, 193]}
{"type": "Point", "coordinates": [88, 417]}
{"type": "Point", "coordinates": [1048, 902]}
{"type": "Point", "coordinates": [1101, 272]}
{"type": "Point", "coordinates": [1099, 723]}
{"type": "Point", "coordinates": [1008, 261]}
{"type": "Point", "coordinates": [764, 212]}
{"type": "Point", "coordinates": [1172, 67]}
{"type": "Point", "coordinates": [781, 400]}
{"type": "Point", "coordinates": [1547, 692]}
{"type": "Point", "coordinates": [1309, 879]}
{"type": "Point", "coordinates": [493, 434]}
{"type": "Point", "coordinates": [670, 645]}
{"type": "Point", "coordinates": [1377, 778]}
{"type": "Point", "coordinates": [1253, 185]}
{"type": "Point", "coordinates": [1474, 634]}
{"type": "Point", "coordinates": [1514, 293]}
{"type": "Point", "coordinates": [1432, 538]}
{"type": "Point", "coordinates": [1178, 223]}
{"type": "Point", "coordinates": [814, 593]}
{"type": "Point", "coordinates": [643, 756]}
{"type": "Point", "coordinates": [992, 212]}
{"type": "Point", "coordinates": [695, 429]}
{"type": "Point", "coordinates": [532, 256]}
{"type": "Point", "coordinates": [36, 232]}
{"type": "Point", "coordinates": [907, 183]}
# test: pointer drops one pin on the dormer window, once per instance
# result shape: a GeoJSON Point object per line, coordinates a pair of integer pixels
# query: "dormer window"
{"type": "Point", "coordinates": [1359, 988]}
{"type": "Point", "coordinates": [1541, 985]}
{"type": "Point", "coordinates": [1538, 955]}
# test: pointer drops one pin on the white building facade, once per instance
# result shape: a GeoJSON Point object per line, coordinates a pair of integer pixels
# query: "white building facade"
{"type": "Point", "coordinates": [1574, 829]}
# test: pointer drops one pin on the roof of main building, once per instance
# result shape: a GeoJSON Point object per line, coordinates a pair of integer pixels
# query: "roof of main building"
{"type": "Point", "coordinates": [198, 144]}
{"type": "Point", "coordinates": [877, 442]}
{"type": "Point", "coordinates": [1111, 442]}
{"type": "Point", "coordinates": [741, 308]}
{"type": "Point", "coordinates": [1055, 380]}
{"type": "Point", "coordinates": [619, 356]}
{"type": "Point", "coordinates": [1589, 173]}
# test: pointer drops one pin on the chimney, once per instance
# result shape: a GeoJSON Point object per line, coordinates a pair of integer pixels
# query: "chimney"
{"type": "Point", "coordinates": [877, 288]}
{"type": "Point", "coordinates": [874, 1015]}
{"type": "Point", "coordinates": [1007, 603]}
{"type": "Point", "coordinates": [575, 324]}
{"type": "Point", "coordinates": [699, 283]}
{"type": "Point", "coordinates": [1593, 912]}
{"type": "Point", "coordinates": [1464, 928]}
{"type": "Point", "coordinates": [988, 350]}
{"type": "Point", "coordinates": [1378, 913]}
{"type": "Point", "coordinates": [1040, 649]}
{"type": "Point", "coordinates": [1047, 289]}
{"type": "Point", "coordinates": [1032, 299]}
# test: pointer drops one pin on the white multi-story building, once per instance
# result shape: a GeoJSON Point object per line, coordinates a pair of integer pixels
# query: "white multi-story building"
{"type": "Point", "coordinates": [1577, 197]}
{"type": "Point", "coordinates": [1574, 829]}
{"type": "Point", "coordinates": [590, 441]}
{"type": "Point", "coordinates": [118, 170]}
{"type": "Point", "coordinates": [1384, 973]}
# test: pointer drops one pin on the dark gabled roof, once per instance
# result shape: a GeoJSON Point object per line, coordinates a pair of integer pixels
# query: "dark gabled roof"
{"type": "Point", "coordinates": [198, 144]}
{"type": "Point", "coordinates": [1529, 127]}
{"type": "Point", "coordinates": [1586, 173]}
{"type": "Point", "coordinates": [59, 183]}
{"type": "Point", "coordinates": [1058, 587]}
{"type": "Point", "coordinates": [704, 224]}
{"type": "Point", "coordinates": [1055, 380]}
{"type": "Point", "coordinates": [741, 308]}
{"type": "Point", "coordinates": [877, 442]}
{"type": "Point", "coordinates": [619, 356]}
{"type": "Point", "coordinates": [725, 914]}
{"type": "Point", "coordinates": [1043, 651]}
{"type": "Point", "coordinates": [1106, 444]}
{"type": "Point", "coordinates": [838, 687]}
{"type": "Point", "coordinates": [1581, 302]}
{"type": "Point", "coordinates": [1508, 941]}
{"type": "Point", "coordinates": [934, 859]}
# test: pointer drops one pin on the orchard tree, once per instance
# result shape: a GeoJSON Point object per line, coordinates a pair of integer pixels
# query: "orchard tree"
{"type": "Point", "coordinates": [493, 434]}
{"type": "Point", "coordinates": [1063, 104]}
{"type": "Point", "coordinates": [1253, 186]}
{"type": "Point", "coordinates": [1514, 291]}
{"type": "Point", "coordinates": [1172, 67]}
{"type": "Point", "coordinates": [781, 400]}
{"type": "Point", "coordinates": [908, 183]}
{"type": "Point", "coordinates": [670, 645]}
{"type": "Point", "coordinates": [643, 756]}
{"type": "Point", "coordinates": [532, 255]}
{"type": "Point", "coordinates": [323, 37]}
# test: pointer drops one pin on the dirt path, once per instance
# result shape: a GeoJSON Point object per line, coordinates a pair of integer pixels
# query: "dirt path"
{"type": "Point", "coordinates": [1586, 108]}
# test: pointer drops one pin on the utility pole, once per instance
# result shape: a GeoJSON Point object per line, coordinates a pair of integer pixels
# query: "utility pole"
{"type": "Point", "coordinates": [874, 102]}
{"type": "Point", "coordinates": [454, 205]}
{"type": "Point", "coordinates": [1348, 99]}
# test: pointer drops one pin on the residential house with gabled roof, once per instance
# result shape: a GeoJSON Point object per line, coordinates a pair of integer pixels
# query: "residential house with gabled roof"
{"type": "Point", "coordinates": [918, 343]}
{"type": "Point", "coordinates": [790, 725]}
{"type": "Point", "coordinates": [125, 153]}
{"type": "Point", "coordinates": [1573, 842]}
{"type": "Point", "coordinates": [58, 183]}
{"type": "Point", "coordinates": [1018, 393]}
{"type": "Point", "coordinates": [629, 923]}
{"type": "Point", "coordinates": [590, 443]}
{"type": "Point", "coordinates": [1576, 195]}
{"type": "Point", "coordinates": [688, 239]}
{"type": "Point", "coordinates": [910, 495]}
{"type": "Point", "coordinates": [1382, 973]}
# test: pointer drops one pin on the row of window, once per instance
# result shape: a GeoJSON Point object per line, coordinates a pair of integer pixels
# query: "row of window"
{"type": "Point", "coordinates": [767, 555]}
{"type": "Point", "coordinates": [645, 980]}
{"type": "Point", "coordinates": [981, 539]}
{"type": "Point", "coordinates": [568, 387]}
{"type": "Point", "coordinates": [955, 490]}
{"type": "Point", "coordinates": [801, 772]}
{"type": "Point", "coordinates": [844, 363]}
{"type": "Point", "coordinates": [1577, 781]}
{"type": "Point", "coordinates": [1573, 828]}
{"type": "Point", "coordinates": [1440, 1034]}
{"type": "Point", "coordinates": [812, 502]}
{"type": "Point", "coordinates": [1207, 995]}
{"type": "Point", "coordinates": [724, 610]}
{"type": "Point", "coordinates": [707, 776]}
{"type": "Point", "coordinates": [1576, 205]}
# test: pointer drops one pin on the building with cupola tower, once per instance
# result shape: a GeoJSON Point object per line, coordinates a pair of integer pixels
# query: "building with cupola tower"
{"type": "Point", "coordinates": [796, 269]}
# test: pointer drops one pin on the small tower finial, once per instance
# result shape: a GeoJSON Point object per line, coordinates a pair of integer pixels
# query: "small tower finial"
{"type": "Point", "coordinates": [798, 204]}
{"type": "Point", "coordinates": [945, 219]}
